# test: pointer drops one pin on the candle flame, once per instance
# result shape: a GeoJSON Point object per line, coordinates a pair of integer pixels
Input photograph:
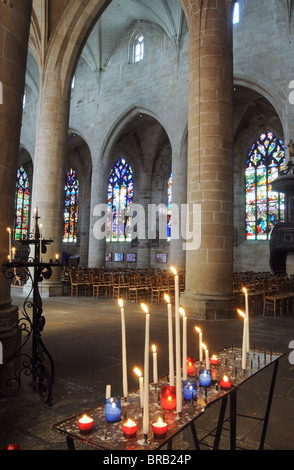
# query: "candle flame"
{"type": "Point", "coordinates": [138, 372]}
{"type": "Point", "coordinates": [166, 298]}
{"type": "Point", "coordinates": [225, 378]}
{"type": "Point", "coordinates": [173, 270]}
{"type": "Point", "coordinates": [121, 303]}
{"type": "Point", "coordinates": [145, 308]}
{"type": "Point", "coordinates": [244, 290]}
{"type": "Point", "coordinates": [160, 421]}
{"type": "Point", "coordinates": [182, 311]}
{"type": "Point", "coordinates": [8, 229]}
{"type": "Point", "coordinates": [197, 329]}
{"type": "Point", "coordinates": [214, 356]}
{"type": "Point", "coordinates": [169, 398]}
{"type": "Point", "coordinates": [154, 348]}
{"type": "Point", "coordinates": [203, 346]}
{"type": "Point", "coordinates": [86, 419]}
{"type": "Point", "coordinates": [241, 313]}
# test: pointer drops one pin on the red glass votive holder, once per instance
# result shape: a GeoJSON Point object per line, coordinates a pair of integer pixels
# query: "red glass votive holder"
{"type": "Point", "coordinates": [130, 427]}
{"type": "Point", "coordinates": [225, 382]}
{"type": "Point", "coordinates": [159, 429]}
{"type": "Point", "coordinates": [190, 365]}
{"type": "Point", "coordinates": [214, 360]}
{"type": "Point", "coordinates": [86, 423]}
{"type": "Point", "coordinates": [12, 447]}
{"type": "Point", "coordinates": [168, 397]}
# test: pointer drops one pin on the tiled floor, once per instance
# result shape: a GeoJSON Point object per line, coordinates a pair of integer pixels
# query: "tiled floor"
{"type": "Point", "coordinates": [83, 336]}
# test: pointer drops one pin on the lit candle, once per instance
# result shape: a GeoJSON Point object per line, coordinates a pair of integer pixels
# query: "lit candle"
{"type": "Point", "coordinates": [124, 349]}
{"type": "Point", "coordinates": [168, 397]}
{"type": "Point", "coordinates": [200, 342]}
{"type": "Point", "coordinates": [247, 316]}
{"type": "Point", "coordinates": [190, 365]}
{"type": "Point", "coordinates": [214, 360]}
{"type": "Point", "coordinates": [170, 341]}
{"type": "Point", "coordinates": [155, 372]}
{"type": "Point", "coordinates": [141, 385]}
{"type": "Point", "coordinates": [225, 382]}
{"type": "Point", "coordinates": [206, 355]}
{"type": "Point", "coordinates": [159, 428]}
{"type": "Point", "coordinates": [244, 341]}
{"type": "Point", "coordinates": [9, 241]}
{"type": "Point", "coordinates": [112, 409]}
{"type": "Point", "coordinates": [56, 257]}
{"type": "Point", "coordinates": [182, 311]}
{"type": "Point", "coordinates": [13, 253]}
{"type": "Point", "coordinates": [190, 389]}
{"type": "Point", "coordinates": [146, 373]}
{"type": "Point", "coordinates": [108, 391]}
{"type": "Point", "coordinates": [178, 344]}
{"type": "Point", "coordinates": [86, 423]}
{"type": "Point", "coordinates": [130, 427]}
{"type": "Point", "coordinates": [205, 377]}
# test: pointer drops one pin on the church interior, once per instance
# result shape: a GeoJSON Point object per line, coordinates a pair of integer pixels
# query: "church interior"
{"type": "Point", "coordinates": [146, 157]}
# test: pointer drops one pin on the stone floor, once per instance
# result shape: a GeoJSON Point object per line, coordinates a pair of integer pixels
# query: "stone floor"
{"type": "Point", "coordinates": [83, 336]}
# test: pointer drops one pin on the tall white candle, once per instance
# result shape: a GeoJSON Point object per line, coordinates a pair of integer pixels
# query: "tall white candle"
{"type": "Point", "coordinates": [124, 349]}
{"type": "Point", "coordinates": [13, 253]}
{"type": "Point", "coordinates": [146, 373]}
{"type": "Point", "coordinates": [9, 242]}
{"type": "Point", "coordinates": [244, 340]}
{"type": "Point", "coordinates": [141, 386]}
{"type": "Point", "coordinates": [155, 369]}
{"type": "Point", "coordinates": [178, 344]}
{"type": "Point", "coordinates": [170, 341]}
{"type": "Point", "coordinates": [200, 343]}
{"type": "Point", "coordinates": [206, 356]}
{"type": "Point", "coordinates": [108, 391]}
{"type": "Point", "coordinates": [247, 316]}
{"type": "Point", "coordinates": [185, 376]}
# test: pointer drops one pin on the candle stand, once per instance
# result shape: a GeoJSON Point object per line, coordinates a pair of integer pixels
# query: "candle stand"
{"type": "Point", "coordinates": [39, 364]}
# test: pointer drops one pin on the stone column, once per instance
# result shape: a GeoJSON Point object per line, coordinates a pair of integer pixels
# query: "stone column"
{"type": "Point", "coordinates": [14, 34]}
{"type": "Point", "coordinates": [209, 269]}
{"type": "Point", "coordinates": [49, 169]}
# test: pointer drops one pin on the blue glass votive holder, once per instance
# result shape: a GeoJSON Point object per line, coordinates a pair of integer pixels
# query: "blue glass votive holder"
{"type": "Point", "coordinates": [190, 389]}
{"type": "Point", "coordinates": [205, 377]}
{"type": "Point", "coordinates": [112, 410]}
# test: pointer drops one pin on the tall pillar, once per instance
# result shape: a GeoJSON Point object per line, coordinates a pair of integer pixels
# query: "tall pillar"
{"type": "Point", "coordinates": [49, 170]}
{"type": "Point", "coordinates": [14, 34]}
{"type": "Point", "coordinates": [209, 269]}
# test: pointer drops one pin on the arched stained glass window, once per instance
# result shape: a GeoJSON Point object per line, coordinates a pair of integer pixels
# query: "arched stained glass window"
{"type": "Point", "coordinates": [71, 207]}
{"type": "Point", "coordinates": [236, 13]}
{"type": "Point", "coordinates": [120, 198]}
{"type": "Point", "coordinates": [22, 205]}
{"type": "Point", "coordinates": [169, 203]}
{"type": "Point", "coordinates": [264, 208]}
{"type": "Point", "coordinates": [139, 48]}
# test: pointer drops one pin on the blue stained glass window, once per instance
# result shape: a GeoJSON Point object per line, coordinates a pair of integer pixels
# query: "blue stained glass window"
{"type": "Point", "coordinates": [22, 205]}
{"type": "Point", "coordinates": [71, 207]}
{"type": "Point", "coordinates": [264, 208]}
{"type": "Point", "coordinates": [120, 198]}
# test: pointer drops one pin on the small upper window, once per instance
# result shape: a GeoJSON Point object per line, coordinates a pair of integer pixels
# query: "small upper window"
{"type": "Point", "coordinates": [236, 13]}
{"type": "Point", "coordinates": [139, 48]}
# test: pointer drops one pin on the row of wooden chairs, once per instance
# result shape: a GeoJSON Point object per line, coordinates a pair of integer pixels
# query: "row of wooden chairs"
{"type": "Point", "coordinates": [135, 286]}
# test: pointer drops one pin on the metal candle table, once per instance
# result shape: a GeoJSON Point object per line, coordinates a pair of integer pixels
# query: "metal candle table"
{"type": "Point", "coordinates": [110, 436]}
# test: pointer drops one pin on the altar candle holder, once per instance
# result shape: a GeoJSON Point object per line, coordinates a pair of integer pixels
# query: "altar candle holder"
{"type": "Point", "coordinates": [190, 389]}
{"type": "Point", "coordinates": [168, 397]}
{"type": "Point", "coordinates": [225, 383]}
{"type": "Point", "coordinates": [86, 423]}
{"type": "Point", "coordinates": [159, 429]}
{"type": "Point", "coordinates": [190, 365]}
{"type": "Point", "coordinates": [205, 377]}
{"type": "Point", "coordinates": [112, 409]}
{"type": "Point", "coordinates": [130, 427]}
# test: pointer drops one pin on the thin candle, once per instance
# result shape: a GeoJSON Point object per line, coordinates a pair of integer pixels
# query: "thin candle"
{"type": "Point", "coordinates": [206, 355]}
{"type": "Point", "coordinates": [155, 370]}
{"type": "Point", "coordinates": [124, 349]}
{"type": "Point", "coordinates": [243, 315]}
{"type": "Point", "coordinates": [108, 391]}
{"type": "Point", "coordinates": [170, 341]}
{"type": "Point", "coordinates": [247, 316]}
{"type": "Point", "coordinates": [146, 372]}
{"type": "Point", "coordinates": [141, 385]}
{"type": "Point", "coordinates": [200, 342]}
{"type": "Point", "coordinates": [178, 345]}
{"type": "Point", "coordinates": [9, 241]}
{"type": "Point", "coordinates": [182, 311]}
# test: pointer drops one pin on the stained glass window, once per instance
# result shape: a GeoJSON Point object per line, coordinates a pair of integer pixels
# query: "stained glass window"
{"type": "Point", "coordinates": [120, 198]}
{"type": "Point", "coordinates": [169, 202]}
{"type": "Point", "coordinates": [236, 13]}
{"type": "Point", "coordinates": [71, 209]}
{"type": "Point", "coordinates": [264, 208]}
{"type": "Point", "coordinates": [22, 205]}
{"type": "Point", "coordinates": [139, 48]}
